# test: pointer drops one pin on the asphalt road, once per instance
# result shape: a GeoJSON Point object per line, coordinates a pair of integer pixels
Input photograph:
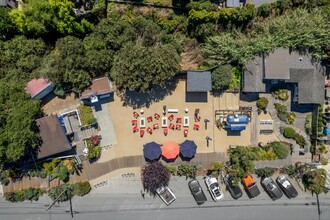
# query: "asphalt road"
{"type": "Point", "coordinates": [127, 207]}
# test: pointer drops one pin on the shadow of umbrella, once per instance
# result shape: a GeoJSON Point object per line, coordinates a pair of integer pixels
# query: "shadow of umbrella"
{"type": "Point", "coordinates": [170, 151]}
{"type": "Point", "coordinates": [152, 151]}
{"type": "Point", "coordinates": [188, 150]}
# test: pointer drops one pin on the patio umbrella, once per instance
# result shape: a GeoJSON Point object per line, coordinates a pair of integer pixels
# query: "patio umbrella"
{"type": "Point", "coordinates": [170, 150]}
{"type": "Point", "coordinates": [188, 149]}
{"type": "Point", "coordinates": [152, 151]}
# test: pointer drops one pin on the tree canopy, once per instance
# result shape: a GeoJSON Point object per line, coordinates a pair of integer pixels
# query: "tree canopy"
{"type": "Point", "coordinates": [221, 78]}
{"type": "Point", "coordinates": [314, 180]}
{"type": "Point", "coordinates": [18, 132]}
{"type": "Point", "coordinates": [7, 27]}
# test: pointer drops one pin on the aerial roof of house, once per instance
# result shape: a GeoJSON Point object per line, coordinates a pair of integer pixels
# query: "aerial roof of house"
{"type": "Point", "coordinates": [35, 86]}
{"type": "Point", "coordinates": [99, 86]}
{"type": "Point", "coordinates": [199, 81]}
{"type": "Point", "coordinates": [253, 76]}
{"type": "Point", "coordinates": [232, 3]}
{"type": "Point", "coordinates": [54, 140]}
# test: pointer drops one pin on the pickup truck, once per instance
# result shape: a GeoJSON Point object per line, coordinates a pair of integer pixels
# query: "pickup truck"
{"type": "Point", "coordinates": [166, 195]}
{"type": "Point", "coordinates": [251, 186]}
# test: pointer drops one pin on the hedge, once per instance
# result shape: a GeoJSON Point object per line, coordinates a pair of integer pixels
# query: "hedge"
{"type": "Point", "coordinates": [289, 132]}
{"type": "Point", "coordinates": [262, 103]}
{"type": "Point", "coordinates": [31, 194]}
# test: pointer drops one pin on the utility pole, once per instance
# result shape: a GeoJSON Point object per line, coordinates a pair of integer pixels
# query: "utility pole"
{"type": "Point", "coordinates": [70, 202]}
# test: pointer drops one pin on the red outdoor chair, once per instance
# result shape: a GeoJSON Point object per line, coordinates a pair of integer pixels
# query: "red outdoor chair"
{"type": "Point", "coordinates": [149, 130]}
{"type": "Point", "coordinates": [156, 116]}
{"type": "Point", "coordinates": [196, 127]}
{"type": "Point", "coordinates": [197, 118]}
{"type": "Point", "coordinates": [178, 120]}
{"type": "Point", "coordinates": [185, 132]}
{"type": "Point", "coordinates": [178, 127]}
{"type": "Point", "coordinates": [141, 133]}
{"type": "Point", "coordinates": [155, 126]}
{"type": "Point", "coordinates": [149, 119]}
{"type": "Point", "coordinates": [135, 114]}
{"type": "Point", "coordinates": [165, 131]}
{"type": "Point", "coordinates": [135, 129]}
{"type": "Point", "coordinates": [171, 117]}
{"type": "Point", "coordinates": [134, 122]}
{"type": "Point", "coordinates": [171, 126]}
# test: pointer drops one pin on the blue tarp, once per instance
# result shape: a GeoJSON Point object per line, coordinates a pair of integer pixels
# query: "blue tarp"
{"type": "Point", "coordinates": [240, 119]}
{"type": "Point", "coordinates": [326, 131]}
{"type": "Point", "coordinates": [235, 127]}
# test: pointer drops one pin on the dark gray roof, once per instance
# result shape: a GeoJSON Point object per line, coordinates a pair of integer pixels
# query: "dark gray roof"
{"type": "Point", "coordinates": [310, 85]}
{"type": "Point", "coordinates": [253, 76]}
{"type": "Point", "coordinates": [199, 81]}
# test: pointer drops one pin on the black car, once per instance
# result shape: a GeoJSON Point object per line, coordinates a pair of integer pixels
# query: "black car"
{"type": "Point", "coordinates": [287, 187]}
{"type": "Point", "coordinates": [197, 191]}
{"type": "Point", "coordinates": [234, 190]}
{"type": "Point", "coordinates": [271, 188]}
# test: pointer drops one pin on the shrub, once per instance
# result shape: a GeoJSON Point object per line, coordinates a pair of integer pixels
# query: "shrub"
{"type": "Point", "coordinates": [323, 148]}
{"type": "Point", "coordinates": [290, 170]}
{"type": "Point", "coordinates": [300, 140]}
{"type": "Point", "coordinates": [265, 171]}
{"type": "Point", "coordinates": [188, 170]}
{"type": "Point", "coordinates": [31, 194]}
{"type": "Point", "coordinates": [216, 168]}
{"type": "Point", "coordinates": [95, 139]}
{"type": "Point", "coordinates": [59, 91]}
{"type": "Point", "coordinates": [314, 180]}
{"type": "Point", "coordinates": [86, 115]}
{"type": "Point", "coordinates": [308, 124]}
{"type": "Point", "coordinates": [264, 10]}
{"type": "Point", "coordinates": [291, 117]}
{"type": "Point", "coordinates": [61, 193]}
{"type": "Point", "coordinates": [281, 94]}
{"type": "Point", "coordinates": [172, 169]}
{"type": "Point", "coordinates": [43, 174]}
{"type": "Point", "coordinates": [324, 161]}
{"type": "Point", "coordinates": [81, 188]}
{"type": "Point", "coordinates": [4, 178]}
{"type": "Point", "coordinates": [280, 149]}
{"type": "Point", "coordinates": [262, 103]}
{"type": "Point", "coordinates": [64, 174]}
{"type": "Point", "coordinates": [94, 152]}
{"type": "Point", "coordinates": [154, 175]}
{"type": "Point", "coordinates": [289, 132]}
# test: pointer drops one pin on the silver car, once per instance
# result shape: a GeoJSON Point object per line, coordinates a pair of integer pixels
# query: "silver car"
{"type": "Point", "coordinates": [213, 186]}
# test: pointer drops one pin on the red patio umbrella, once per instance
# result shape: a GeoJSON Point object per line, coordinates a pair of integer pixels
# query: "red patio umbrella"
{"type": "Point", "coordinates": [170, 150]}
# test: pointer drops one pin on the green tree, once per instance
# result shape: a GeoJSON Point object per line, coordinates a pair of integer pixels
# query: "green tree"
{"type": "Point", "coordinates": [81, 188]}
{"type": "Point", "coordinates": [154, 175]}
{"type": "Point", "coordinates": [221, 78]}
{"type": "Point", "coordinates": [265, 171]}
{"type": "Point", "coordinates": [262, 103]}
{"type": "Point", "coordinates": [7, 27]}
{"type": "Point", "coordinates": [62, 193]}
{"type": "Point", "coordinates": [18, 131]}
{"type": "Point", "coordinates": [140, 67]}
{"type": "Point", "coordinates": [314, 180]}
{"type": "Point", "coordinates": [280, 149]}
{"type": "Point", "coordinates": [289, 132]}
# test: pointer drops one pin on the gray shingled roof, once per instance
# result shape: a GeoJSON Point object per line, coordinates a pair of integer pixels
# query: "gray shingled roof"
{"type": "Point", "coordinates": [310, 85]}
{"type": "Point", "coordinates": [199, 81]}
{"type": "Point", "coordinates": [253, 76]}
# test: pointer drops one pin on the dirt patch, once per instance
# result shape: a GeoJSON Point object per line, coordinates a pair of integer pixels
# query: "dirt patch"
{"type": "Point", "coordinates": [191, 56]}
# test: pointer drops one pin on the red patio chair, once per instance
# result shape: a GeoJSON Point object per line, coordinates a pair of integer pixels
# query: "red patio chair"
{"type": "Point", "coordinates": [135, 114]}
{"type": "Point", "coordinates": [197, 118]}
{"type": "Point", "coordinates": [196, 127]}
{"type": "Point", "coordinates": [141, 133]}
{"type": "Point", "coordinates": [178, 127]}
{"type": "Point", "coordinates": [171, 117]}
{"type": "Point", "coordinates": [149, 130]}
{"type": "Point", "coordinates": [165, 131]}
{"type": "Point", "coordinates": [155, 126]}
{"type": "Point", "coordinates": [185, 132]}
{"type": "Point", "coordinates": [135, 129]}
{"type": "Point", "coordinates": [178, 120]}
{"type": "Point", "coordinates": [171, 126]}
{"type": "Point", "coordinates": [149, 119]}
{"type": "Point", "coordinates": [156, 116]}
{"type": "Point", "coordinates": [134, 122]}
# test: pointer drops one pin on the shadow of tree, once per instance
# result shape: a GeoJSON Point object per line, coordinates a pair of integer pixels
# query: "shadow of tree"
{"type": "Point", "coordinates": [138, 100]}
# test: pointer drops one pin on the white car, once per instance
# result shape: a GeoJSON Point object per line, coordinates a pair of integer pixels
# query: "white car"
{"type": "Point", "coordinates": [213, 186]}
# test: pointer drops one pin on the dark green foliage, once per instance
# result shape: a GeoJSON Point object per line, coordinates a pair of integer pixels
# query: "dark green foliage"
{"type": "Point", "coordinates": [187, 169]}
{"type": "Point", "coordinates": [81, 188]}
{"type": "Point", "coordinates": [216, 168]}
{"type": "Point", "coordinates": [154, 175]}
{"type": "Point", "coordinates": [18, 132]}
{"type": "Point", "coordinates": [300, 140]}
{"type": "Point", "coordinates": [290, 170]}
{"type": "Point", "coordinates": [43, 174]}
{"type": "Point", "coordinates": [31, 194]}
{"type": "Point", "coordinates": [7, 27]}
{"type": "Point", "coordinates": [283, 114]}
{"type": "Point", "coordinates": [289, 132]}
{"type": "Point", "coordinates": [140, 67]}
{"type": "Point", "coordinates": [203, 31]}
{"type": "Point", "coordinates": [280, 149]}
{"type": "Point", "coordinates": [265, 171]}
{"type": "Point", "coordinates": [94, 152]}
{"type": "Point", "coordinates": [4, 178]}
{"type": "Point", "coordinates": [264, 10]}
{"type": "Point", "coordinates": [63, 192]}
{"type": "Point", "coordinates": [308, 124]}
{"type": "Point", "coordinates": [262, 103]}
{"type": "Point", "coordinates": [199, 6]}
{"type": "Point", "coordinates": [64, 174]}
{"type": "Point", "coordinates": [314, 180]}
{"type": "Point", "coordinates": [320, 120]}
{"type": "Point", "coordinates": [172, 169]}
{"type": "Point", "coordinates": [281, 94]}
{"type": "Point", "coordinates": [221, 78]}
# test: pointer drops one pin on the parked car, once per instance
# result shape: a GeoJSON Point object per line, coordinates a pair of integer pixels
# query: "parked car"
{"type": "Point", "coordinates": [251, 186]}
{"type": "Point", "coordinates": [271, 188]}
{"type": "Point", "coordinates": [197, 191]}
{"type": "Point", "coordinates": [286, 186]}
{"type": "Point", "coordinates": [213, 186]}
{"type": "Point", "coordinates": [234, 190]}
{"type": "Point", "coordinates": [166, 195]}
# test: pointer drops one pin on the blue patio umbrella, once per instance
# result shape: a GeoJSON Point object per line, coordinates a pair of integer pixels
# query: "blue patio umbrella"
{"type": "Point", "coordinates": [188, 149]}
{"type": "Point", "coordinates": [152, 151]}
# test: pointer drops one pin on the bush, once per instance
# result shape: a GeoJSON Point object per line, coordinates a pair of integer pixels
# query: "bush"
{"type": "Point", "coordinates": [216, 168]}
{"type": "Point", "coordinates": [86, 115]}
{"type": "Point", "coordinates": [281, 94]}
{"type": "Point", "coordinates": [94, 152]}
{"type": "Point", "coordinates": [64, 174]}
{"type": "Point", "coordinates": [31, 194]}
{"type": "Point", "coordinates": [300, 140]}
{"type": "Point", "coordinates": [262, 103]}
{"type": "Point", "coordinates": [59, 91]}
{"type": "Point", "coordinates": [265, 171]}
{"type": "Point", "coordinates": [61, 193]}
{"type": "Point", "coordinates": [280, 149]}
{"type": "Point", "coordinates": [323, 148]}
{"type": "Point", "coordinates": [188, 170]}
{"type": "Point", "coordinates": [289, 132]}
{"type": "Point", "coordinates": [264, 10]}
{"type": "Point", "coordinates": [172, 169]}
{"type": "Point", "coordinates": [154, 175]}
{"type": "Point", "coordinates": [43, 174]}
{"type": "Point", "coordinates": [291, 117]}
{"type": "Point", "coordinates": [81, 188]}
{"type": "Point", "coordinates": [290, 170]}
{"type": "Point", "coordinates": [308, 124]}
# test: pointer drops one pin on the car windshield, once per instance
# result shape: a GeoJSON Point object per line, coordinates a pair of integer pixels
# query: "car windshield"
{"type": "Point", "coordinates": [271, 186]}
